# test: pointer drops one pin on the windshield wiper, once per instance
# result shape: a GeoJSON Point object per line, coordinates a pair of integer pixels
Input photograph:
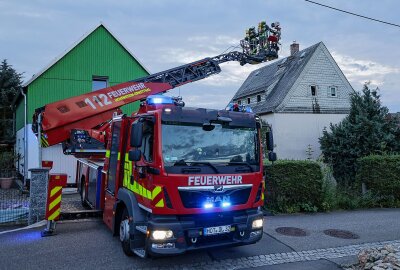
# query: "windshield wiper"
{"type": "Point", "coordinates": [205, 163]}
{"type": "Point", "coordinates": [242, 163]}
{"type": "Point", "coordinates": [182, 162]}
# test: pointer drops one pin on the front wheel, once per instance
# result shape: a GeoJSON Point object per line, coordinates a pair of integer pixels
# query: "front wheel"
{"type": "Point", "coordinates": [124, 233]}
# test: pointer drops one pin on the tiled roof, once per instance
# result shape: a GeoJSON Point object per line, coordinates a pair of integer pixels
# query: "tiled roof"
{"type": "Point", "coordinates": [275, 79]}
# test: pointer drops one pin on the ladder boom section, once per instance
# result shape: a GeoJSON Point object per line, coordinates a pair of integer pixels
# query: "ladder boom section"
{"type": "Point", "coordinates": [92, 109]}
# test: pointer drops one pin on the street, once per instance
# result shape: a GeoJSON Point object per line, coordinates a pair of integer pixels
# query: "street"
{"type": "Point", "coordinates": [87, 244]}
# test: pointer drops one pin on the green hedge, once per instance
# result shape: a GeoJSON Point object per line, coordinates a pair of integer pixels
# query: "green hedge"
{"type": "Point", "coordinates": [294, 186]}
{"type": "Point", "coordinates": [381, 174]}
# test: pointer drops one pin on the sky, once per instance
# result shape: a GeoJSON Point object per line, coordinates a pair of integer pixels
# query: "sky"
{"type": "Point", "coordinates": [165, 34]}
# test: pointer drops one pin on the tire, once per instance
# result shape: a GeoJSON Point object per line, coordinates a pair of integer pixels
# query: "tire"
{"type": "Point", "coordinates": [125, 243]}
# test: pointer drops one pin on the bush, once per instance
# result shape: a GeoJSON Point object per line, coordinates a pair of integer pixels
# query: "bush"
{"type": "Point", "coordinates": [7, 166]}
{"type": "Point", "coordinates": [367, 130]}
{"type": "Point", "coordinates": [294, 186]}
{"type": "Point", "coordinates": [381, 175]}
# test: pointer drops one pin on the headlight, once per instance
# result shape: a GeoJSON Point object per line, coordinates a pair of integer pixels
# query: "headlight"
{"type": "Point", "coordinates": [257, 223]}
{"type": "Point", "coordinates": [162, 235]}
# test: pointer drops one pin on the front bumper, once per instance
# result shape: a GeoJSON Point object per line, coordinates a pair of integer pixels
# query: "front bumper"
{"type": "Point", "coordinates": [189, 231]}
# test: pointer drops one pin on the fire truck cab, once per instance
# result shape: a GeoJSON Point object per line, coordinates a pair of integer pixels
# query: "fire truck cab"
{"type": "Point", "coordinates": [179, 179]}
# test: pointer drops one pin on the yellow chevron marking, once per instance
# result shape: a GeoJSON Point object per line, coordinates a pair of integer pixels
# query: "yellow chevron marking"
{"type": "Point", "coordinates": [54, 191]}
{"type": "Point", "coordinates": [155, 192]}
{"type": "Point", "coordinates": [160, 203]}
{"type": "Point", "coordinates": [54, 215]}
{"type": "Point", "coordinates": [55, 202]}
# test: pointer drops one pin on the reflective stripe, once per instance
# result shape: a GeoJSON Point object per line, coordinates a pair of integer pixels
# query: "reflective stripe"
{"type": "Point", "coordinates": [107, 153]}
{"type": "Point", "coordinates": [54, 191]}
{"type": "Point", "coordinates": [156, 191]}
{"type": "Point", "coordinates": [160, 203]}
{"type": "Point", "coordinates": [136, 187]}
{"type": "Point", "coordinates": [54, 215]}
{"type": "Point", "coordinates": [119, 156]}
{"type": "Point", "coordinates": [55, 202]}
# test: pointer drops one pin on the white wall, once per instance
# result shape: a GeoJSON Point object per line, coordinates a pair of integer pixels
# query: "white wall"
{"type": "Point", "coordinates": [61, 163]}
{"type": "Point", "coordinates": [293, 132]}
{"type": "Point", "coordinates": [33, 151]}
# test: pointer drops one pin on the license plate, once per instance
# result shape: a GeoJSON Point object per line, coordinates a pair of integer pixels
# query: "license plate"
{"type": "Point", "coordinates": [217, 230]}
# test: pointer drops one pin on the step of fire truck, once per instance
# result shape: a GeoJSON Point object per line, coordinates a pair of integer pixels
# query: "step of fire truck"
{"type": "Point", "coordinates": [73, 215]}
{"type": "Point", "coordinates": [140, 252]}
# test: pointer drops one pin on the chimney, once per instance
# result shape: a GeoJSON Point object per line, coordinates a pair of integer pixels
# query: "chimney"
{"type": "Point", "coordinates": [294, 48]}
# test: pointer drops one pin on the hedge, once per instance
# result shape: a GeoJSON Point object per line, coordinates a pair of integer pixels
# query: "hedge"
{"type": "Point", "coordinates": [294, 186]}
{"type": "Point", "coordinates": [381, 175]}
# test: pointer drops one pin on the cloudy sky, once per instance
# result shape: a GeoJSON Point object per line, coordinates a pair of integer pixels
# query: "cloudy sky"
{"type": "Point", "coordinates": [164, 34]}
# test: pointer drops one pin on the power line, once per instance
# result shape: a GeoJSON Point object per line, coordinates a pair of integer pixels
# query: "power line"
{"type": "Point", "coordinates": [351, 13]}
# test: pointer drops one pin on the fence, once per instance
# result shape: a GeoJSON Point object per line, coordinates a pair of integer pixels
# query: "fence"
{"type": "Point", "coordinates": [14, 205]}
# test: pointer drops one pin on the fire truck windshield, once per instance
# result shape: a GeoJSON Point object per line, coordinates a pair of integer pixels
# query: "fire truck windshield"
{"type": "Point", "coordinates": [184, 144]}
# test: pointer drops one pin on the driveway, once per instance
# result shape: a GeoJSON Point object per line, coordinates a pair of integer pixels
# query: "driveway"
{"type": "Point", "coordinates": [87, 244]}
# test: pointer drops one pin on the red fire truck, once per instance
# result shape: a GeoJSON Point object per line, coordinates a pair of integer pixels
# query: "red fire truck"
{"type": "Point", "coordinates": [168, 178]}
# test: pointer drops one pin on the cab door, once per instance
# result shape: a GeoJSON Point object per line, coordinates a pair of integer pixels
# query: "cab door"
{"type": "Point", "coordinates": [113, 172]}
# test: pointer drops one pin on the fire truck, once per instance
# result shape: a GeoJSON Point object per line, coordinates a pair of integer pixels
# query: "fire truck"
{"type": "Point", "coordinates": [168, 178]}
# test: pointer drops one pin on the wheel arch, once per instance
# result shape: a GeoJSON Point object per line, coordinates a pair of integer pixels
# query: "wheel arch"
{"type": "Point", "coordinates": [126, 199]}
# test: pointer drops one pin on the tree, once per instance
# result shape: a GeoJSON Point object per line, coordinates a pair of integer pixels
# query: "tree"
{"type": "Point", "coordinates": [10, 85]}
{"type": "Point", "coordinates": [368, 129]}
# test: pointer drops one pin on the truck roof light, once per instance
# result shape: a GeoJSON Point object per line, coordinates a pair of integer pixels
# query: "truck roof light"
{"type": "Point", "coordinates": [159, 99]}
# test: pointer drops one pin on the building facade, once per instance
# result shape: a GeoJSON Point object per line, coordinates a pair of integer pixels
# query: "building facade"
{"type": "Point", "coordinates": [96, 61]}
{"type": "Point", "coordinates": [298, 96]}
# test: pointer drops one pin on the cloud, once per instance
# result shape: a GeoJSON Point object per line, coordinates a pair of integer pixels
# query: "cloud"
{"type": "Point", "coordinates": [360, 70]}
{"type": "Point", "coordinates": [386, 77]}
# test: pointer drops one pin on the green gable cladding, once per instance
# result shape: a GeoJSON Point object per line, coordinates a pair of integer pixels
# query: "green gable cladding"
{"type": "Point", "coordinates": [99, 54]}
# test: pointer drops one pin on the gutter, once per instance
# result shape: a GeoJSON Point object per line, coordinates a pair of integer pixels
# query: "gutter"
{"type": "Point", "coordinates": [25, 139]}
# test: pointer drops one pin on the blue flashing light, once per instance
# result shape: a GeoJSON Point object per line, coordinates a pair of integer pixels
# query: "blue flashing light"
{"type": "Point", "coordinates": [159, 99]}
{"type": "Point", "coordinates": [248, 109]}
{"type": "Point", "coordinates": [226, 204]}
{"type": "Point", "coordinates": [238, 108]}
{"type": "Point", "coordinates": [208, 205]}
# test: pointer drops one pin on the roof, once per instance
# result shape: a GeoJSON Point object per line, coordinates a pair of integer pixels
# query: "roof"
{"type": "Point", "coordinates": [52, 63]}
{"type": "Point", "coordinates": [275, 79]}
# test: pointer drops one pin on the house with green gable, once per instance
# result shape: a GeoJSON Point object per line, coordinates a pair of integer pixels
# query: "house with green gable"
{"type": "Point", "coordinates": [98, 60]}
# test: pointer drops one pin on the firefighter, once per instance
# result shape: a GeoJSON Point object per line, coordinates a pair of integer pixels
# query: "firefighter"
{"type": "Point", "coordinates": [274, 37]}
{"type": "Point", "coordinates": [263, 34]}
{"type": "Point", "coordinates": [253, 40]}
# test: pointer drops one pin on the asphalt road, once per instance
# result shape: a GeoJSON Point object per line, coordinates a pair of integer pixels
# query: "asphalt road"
{"type": "Point", "coordinates": [89, 244]}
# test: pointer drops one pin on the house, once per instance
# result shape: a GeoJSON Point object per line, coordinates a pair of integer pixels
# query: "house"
{"type": "Point", "coordinates": [96, 61]}
{"type": "Point", "coordinates": [298, 96]}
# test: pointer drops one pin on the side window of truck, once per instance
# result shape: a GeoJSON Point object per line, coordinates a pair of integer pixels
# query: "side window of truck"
{"type": "Point", "coordinates": [148, 141]}
{"type": "Point", "coordinates": [113, 162]}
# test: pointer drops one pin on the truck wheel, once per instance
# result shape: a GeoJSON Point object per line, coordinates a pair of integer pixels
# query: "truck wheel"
{"type": "Point", "coordinates": [124, 233]}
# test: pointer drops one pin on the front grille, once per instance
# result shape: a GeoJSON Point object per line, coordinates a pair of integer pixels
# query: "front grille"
{"type": "Point", "coordinates": [197, 198]}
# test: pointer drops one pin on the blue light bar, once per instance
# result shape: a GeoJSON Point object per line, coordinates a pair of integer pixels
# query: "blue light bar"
{"type": "Point", "coordinates": [159, 99]}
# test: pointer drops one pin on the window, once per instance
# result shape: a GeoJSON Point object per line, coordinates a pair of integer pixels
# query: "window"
{"type": "Point", "coordinates": [313, 90]}
{"type": "Point", "coordinates": [333, 91]}
{"type": "Point", "coordinates": [258, 98]}
{"type": "Point", "coordinates": [248, 100]}
{"type": "Point", "coordinates": [113, 162]}
{"type": "Point", "coordinates": [148, 141]}
{"type": "Point", "coordinates": [239, 102]}
{"type": "Point", "coordinates": [99, 82]}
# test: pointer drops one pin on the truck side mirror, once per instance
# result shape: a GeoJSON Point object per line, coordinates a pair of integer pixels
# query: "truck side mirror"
{"type": "Point", "coordinates": [269, 138]}
{"type": "Point", "coordinates": [134, 155]}
{"type": "Point", "coordinates": [272, 156]}
{"type": "Point", "coordinates": [136, 134]}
